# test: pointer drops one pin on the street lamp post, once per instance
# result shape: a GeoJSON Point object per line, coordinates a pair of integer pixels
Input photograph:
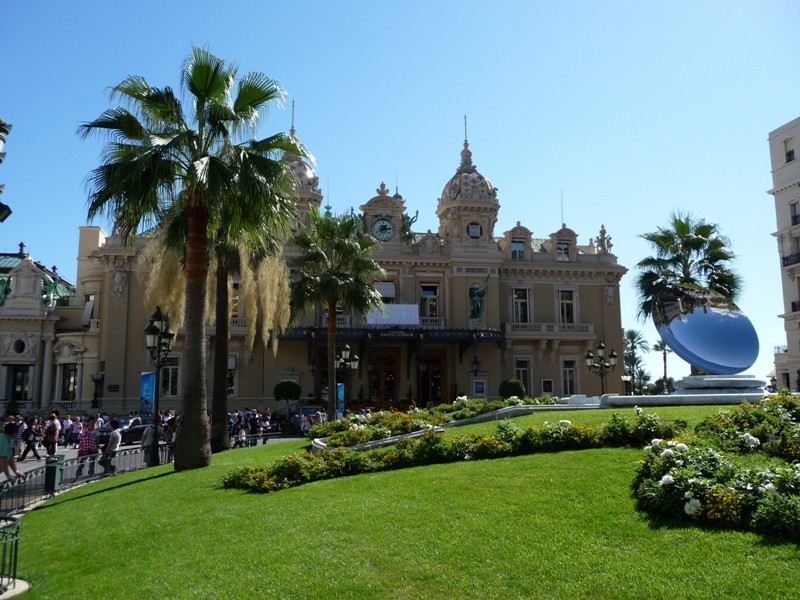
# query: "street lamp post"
{"type": "Point", "coordinates": [601, 367]}
{"type": "Point", "coordinates": [159, 338]}
{"type": "Point", "coordinates": [346, 364]}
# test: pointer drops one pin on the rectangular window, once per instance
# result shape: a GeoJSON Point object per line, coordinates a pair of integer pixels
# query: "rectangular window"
{"type": "Point", "coordinates": [566, 306]}
{"type": "Point", "coordinates": [788, 148]}
{"type": "Point", "coordinates": [794, 207]}
{"type": "Point", "coordinates": [69, 383]}
{"type": "Point", "coordinates": [548, 389]}
{"type": "Point", "coordinates": [517, 249]}
{"type": "Point", "coordinates": [480, 387]}
{"type": "Point", "coordinates": [169, 377]}
{"type": "Point", "coordinates": [562, 250]}
{"type": "Point", "coordinates": [521, 313]}
{"type": "Point", "coordinates": [235, 302]}
{"type": "Point", "coordinates": [568, 377]}
{"type": "Point", "coordinates": [522, 371]}
{"type": "Point", "coordinates": [474, 230]}
{"type": "Point", "coordinates": [231, 382]}
{"type": "Point", "coordinates": [429, 300]}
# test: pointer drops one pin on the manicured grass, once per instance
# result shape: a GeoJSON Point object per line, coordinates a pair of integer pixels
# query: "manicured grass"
{"type": "Point", "coordinates": [559, 525]}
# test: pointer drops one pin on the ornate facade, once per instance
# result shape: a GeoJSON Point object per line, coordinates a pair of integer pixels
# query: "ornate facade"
{"type": "Point", "coordinates": [465, 310]}
{"type": "Point", "coordinates": [783, 143]}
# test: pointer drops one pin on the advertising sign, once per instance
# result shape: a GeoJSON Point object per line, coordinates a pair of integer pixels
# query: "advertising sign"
{"type": "Point", "coordinates": [147, 388]}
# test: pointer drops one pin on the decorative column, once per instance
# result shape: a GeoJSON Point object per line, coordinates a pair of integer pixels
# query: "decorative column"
{"type": "Point", "coordinates": [47, 370]}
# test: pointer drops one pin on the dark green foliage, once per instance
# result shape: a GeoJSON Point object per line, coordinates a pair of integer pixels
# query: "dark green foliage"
{"type": "Point", "coordinates": [512, 387]}
{"type": "Point", "coordinates": [287, 390]}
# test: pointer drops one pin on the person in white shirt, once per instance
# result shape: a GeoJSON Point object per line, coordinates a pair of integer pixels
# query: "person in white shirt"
{"type": "Point", "coordinates": [111, 448]}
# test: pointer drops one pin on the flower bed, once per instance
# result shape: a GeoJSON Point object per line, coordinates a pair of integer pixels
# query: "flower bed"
{"type": "Point", "coordinates": [734, 473]}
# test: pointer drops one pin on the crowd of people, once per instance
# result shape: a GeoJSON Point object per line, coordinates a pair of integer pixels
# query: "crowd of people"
{"type": "Point", "coordinates": [246, 425]}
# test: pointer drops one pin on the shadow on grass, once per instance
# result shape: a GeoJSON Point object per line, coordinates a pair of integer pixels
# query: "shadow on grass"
{"type": "Point", "coordinates": [765, 539]}
{"type": "Point", "coordinates": [58, 500]}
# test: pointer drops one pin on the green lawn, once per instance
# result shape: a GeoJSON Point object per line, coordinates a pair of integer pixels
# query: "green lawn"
{"type": "Point", "coordinates": [542, 526]}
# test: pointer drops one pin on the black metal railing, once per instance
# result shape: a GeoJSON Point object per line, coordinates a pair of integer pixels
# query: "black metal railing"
{"type": "Point", "coordinates": [42, 482]}
{"type": "Point", "coordinates": [9, 544]}
{"type": "Point", "coordinates": [791, 259]}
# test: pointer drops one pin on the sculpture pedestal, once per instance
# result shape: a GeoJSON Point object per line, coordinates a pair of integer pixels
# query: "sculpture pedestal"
{"type": "Point", "coordinates": [720, 384]}
{"type": "Point", "coordinates": [698, 389]}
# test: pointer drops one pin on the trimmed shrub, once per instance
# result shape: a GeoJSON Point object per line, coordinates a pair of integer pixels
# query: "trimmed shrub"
{"type": "Point", "coordinates": [512, 387]}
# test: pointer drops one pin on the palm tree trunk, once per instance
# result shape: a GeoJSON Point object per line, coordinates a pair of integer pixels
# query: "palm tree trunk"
{"type": "Point", "coordinates": [193, 450]}
{"type": "Point", "coordinates": [332, 360]}
{"type": "Point", "coordinates": [220, 436]}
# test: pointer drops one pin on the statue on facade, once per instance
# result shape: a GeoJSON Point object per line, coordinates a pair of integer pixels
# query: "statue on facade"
{"type": "Point", "coordinates": [5, 290]}
{"type": "Point", "coordinates": [476, 294]}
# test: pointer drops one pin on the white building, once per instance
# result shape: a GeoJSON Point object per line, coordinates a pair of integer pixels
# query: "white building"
{"type": "Point", "coordinates": [784, 143]}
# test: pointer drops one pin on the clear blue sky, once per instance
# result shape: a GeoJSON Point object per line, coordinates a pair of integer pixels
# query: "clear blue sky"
{"type": "Point", "coordinates": [631, 109]}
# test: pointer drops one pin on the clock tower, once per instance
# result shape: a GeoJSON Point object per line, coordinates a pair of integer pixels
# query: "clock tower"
{"type": "Point", "coordinates": [383, 216]}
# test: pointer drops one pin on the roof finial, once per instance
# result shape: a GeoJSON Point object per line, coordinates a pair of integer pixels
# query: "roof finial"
{"type": "Point", "coordinates": [291, 131]}
{"type": "Point", "coordinates": [466, 153]}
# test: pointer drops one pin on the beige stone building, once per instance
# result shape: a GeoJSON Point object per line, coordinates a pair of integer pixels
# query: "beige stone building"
{"type": "Point", "coordinates": [784, 142]}
{"type": "Point", "coordinates": [466, 308]}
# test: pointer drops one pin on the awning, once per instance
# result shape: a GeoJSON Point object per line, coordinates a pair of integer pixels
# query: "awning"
{"type": "Point", "coordinates": [385, 288]}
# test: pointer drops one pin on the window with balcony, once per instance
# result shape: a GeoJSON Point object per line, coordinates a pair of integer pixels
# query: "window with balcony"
{"type": "Point", "coordinates": [566, 306]}
{"type": "Point", "coordinates": [517, 250]}
{"type": "Point", "coordinates": [520, 309]}
{"type": "Point", "coordinates": [429, 300]}
{"type": "Point", "coordinates": [387, 290]}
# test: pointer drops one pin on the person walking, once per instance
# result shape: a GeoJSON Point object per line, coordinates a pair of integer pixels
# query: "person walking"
{"type": "Point", "coordinates": [149, 437]}
{"type": "Point", "coordinates": [110, 449]}
{"type": "Point", "coordinates": [7, 463]}
{"type": "Point", "coordinates": [52, 432]}
{"type": "Point", "coordinates": [75, 436]}
{"type": "Point", "coordinates": [87, 446]}
{"type": "Point", "coordinates": [33, 435]}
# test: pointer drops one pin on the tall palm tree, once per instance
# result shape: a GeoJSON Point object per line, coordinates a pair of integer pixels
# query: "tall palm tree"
{"type": "Point", "coordinates": [641, 379]}
{"type": "Point", "coordinates": [634, 340]}
{"type": "Point", "coordinates": [181, 166]}
{"type": "Point", "coordinates": [334, 268]}
{"type": "Point", "coordinates": [661, 346]}
{"type": "Point", "coordinates": [688, 252]}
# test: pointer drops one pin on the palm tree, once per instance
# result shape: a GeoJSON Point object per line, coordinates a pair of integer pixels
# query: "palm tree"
{"type": "Point", "coordinates": [661, 346]}
{"type": "Point", "coordinates": [334, 268]}
{"type": "Point", "coordinates": [641, 379]}
{"type": "Point", "coordinates": [634, 340]}
{"type": "Point", "coordinates": [688, 252]}
{"type": "Point", "coordinates": [164, 164]}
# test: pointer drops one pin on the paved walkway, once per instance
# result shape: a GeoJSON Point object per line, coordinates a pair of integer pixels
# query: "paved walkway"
{"type": "Point", "coordinates": [30, 463]}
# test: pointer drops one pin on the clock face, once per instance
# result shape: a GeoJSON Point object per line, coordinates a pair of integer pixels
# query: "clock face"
{"type": "Point", "coordinates": [383, 229]}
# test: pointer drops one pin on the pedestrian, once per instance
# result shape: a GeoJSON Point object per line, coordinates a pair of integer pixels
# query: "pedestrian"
{"type": "Point", "coordinates": [67, 431]}
{"type": "Point", "coordinates": [52, 431]}
{"type": "Point", "coordinates": [34, 434]}
{"type": "Point", "coordinates": [7, 463]}
{"type": "Point", "coordinates": [87, 446]}
{"type": "Point", "coordinates": [149, 437]}
{"type": "Point", "coordinates": [22, 427]}
{"type": "Point", "coordinates": [75, 436]}
{"type": "Point", "coordinates": [110, 449]}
